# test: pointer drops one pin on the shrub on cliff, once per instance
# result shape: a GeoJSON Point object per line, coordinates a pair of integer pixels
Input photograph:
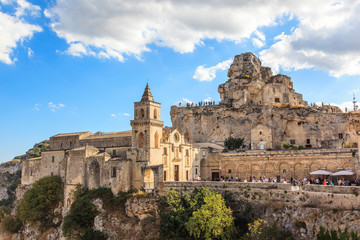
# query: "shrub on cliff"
{"type": "Point", "coordinates": [201, 215]}
{"type": "Point", "coordinates": [39, 202]}
{"type": "Point", "coordinates": [262, 230]}
{"type": "Point", "coordinates": [79, 222]}
{"type": "Point", "coordinates": [337, 235]}
{"type": "Point", "coordinates": [233, 143]}
{"type": "Point", "coordinates": [11, 224]}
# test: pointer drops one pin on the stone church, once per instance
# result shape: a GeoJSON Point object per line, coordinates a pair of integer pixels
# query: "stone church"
{"type": "Point", "coordinates": [140, 158]}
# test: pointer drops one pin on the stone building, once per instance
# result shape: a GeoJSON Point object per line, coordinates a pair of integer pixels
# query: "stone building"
{"type": "Point", "coordinates": [140, 158]}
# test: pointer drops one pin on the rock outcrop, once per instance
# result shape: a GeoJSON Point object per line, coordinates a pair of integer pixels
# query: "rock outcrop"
{"type": "Point", "coordinates": [253, 99]}
{"type": "Point", "coordinates": [250, 83]}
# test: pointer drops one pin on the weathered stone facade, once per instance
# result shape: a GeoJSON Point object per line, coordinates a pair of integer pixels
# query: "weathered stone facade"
{"type": "Point", "coordinates": [140, 158]}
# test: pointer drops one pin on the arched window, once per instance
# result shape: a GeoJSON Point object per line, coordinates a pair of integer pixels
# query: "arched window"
{"type": "Point", "coordinates": [156, 139]}
{"type": "Point", "coordinates": [155, 114]}
{"type": "Point", "coordinates": [142, 113]}
{"type": "Point", "coordinates": [141, 140]}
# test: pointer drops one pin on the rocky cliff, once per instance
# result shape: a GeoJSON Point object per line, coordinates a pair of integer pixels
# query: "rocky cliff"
{"type": "Point", "coordinates": [252, 98]}
{"type": "Point", "coordinates": [218, 122]}
{"type": "Point", "coordinates": [137, 220]}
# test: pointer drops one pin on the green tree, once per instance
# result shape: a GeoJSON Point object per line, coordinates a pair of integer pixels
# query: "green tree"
{"type": "Point", "coordinates": [233, 143]}
{"type": "Point", "coordinates": [175, 211]}
{"type": "Point", "coordinates": [39, 202]}
{"type": "Point", "coordinates": [213, 220]}
{"type": "Point", "coordinates": [262, 230]}
{"type": "Point", "coordinates": [203, 214]}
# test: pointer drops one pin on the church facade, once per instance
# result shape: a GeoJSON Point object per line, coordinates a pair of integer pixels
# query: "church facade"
{"type": "Point", "coordinates": [140, 158]}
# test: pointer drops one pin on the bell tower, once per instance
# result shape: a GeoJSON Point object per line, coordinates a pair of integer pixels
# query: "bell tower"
{"type": "Point", "coordinates": [147, 129]}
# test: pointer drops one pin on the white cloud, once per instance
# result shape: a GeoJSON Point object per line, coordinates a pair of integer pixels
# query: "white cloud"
{"type": "Point", "coordinates": [348, 105]}
{"type": "Point", "coordinates": [208, 99]}
{"type": "Point", "coordinates": [207, 74]}
{"type": "Point", "coordinates": [37, 107]}
{"type": "Point", "coordinates": [257, 42]}
{"type": "Point", "coordinates": [53, 107]}
{"type": "Point", "coordinates": [260, 35]}
{"type": "Point", "coordinates": [14, 29]}
{"type": "Point", "coordinates": [25, 7]}
{"type": "Point", "coordinates": [115, 115]}
{"type": "Point", "coordinates": [327, 38]}
{"type": "Point", "coordinates": [116, 28]}
{"type": "Point", "coordinates": [187, 100]}
{"type": "Point", "coordinates": [30, 52]}
{"type": "Point", "coordinates": [342, 106]}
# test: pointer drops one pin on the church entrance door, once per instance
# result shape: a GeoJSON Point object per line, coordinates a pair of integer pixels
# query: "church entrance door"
{"type": "Point", "coordinates": [176, 173]}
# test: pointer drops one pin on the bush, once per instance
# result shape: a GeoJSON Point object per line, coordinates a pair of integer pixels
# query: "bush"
{"type": "Point", "coordinates": [233, 143]}
{"type": "Point", "coordinates": [337, 235]}
{"type": "Point", "coordinates": [79, 222]}
{"type": "Point", "coordinates": [202, 215]}
{"type": "Point", "coordinates": [39, 202]}
{"type": "Point", "coordinates": [11, 224]}
{"type": "Point", "coordinates": [262, 230]}
{"type": "Point", "coordinates": [80, 218]}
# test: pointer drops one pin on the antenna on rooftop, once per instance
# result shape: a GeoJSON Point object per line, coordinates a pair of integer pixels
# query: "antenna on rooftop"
{"type": "Point", "coordinates": [354, 102]}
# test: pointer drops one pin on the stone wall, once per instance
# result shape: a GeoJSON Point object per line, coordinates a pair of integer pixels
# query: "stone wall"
{"type": "Point", "coordinates": [302, 212]}
{"type": "Point", "coordinates": [287, 163]}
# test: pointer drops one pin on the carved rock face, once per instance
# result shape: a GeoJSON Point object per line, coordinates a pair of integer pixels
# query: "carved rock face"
{"type": "Point", "coordinates": [245, 64]}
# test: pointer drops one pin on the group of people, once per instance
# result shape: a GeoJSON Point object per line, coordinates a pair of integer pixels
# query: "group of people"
{"type": "Point", "coordinates": [201, 103]}
{"type": "Point", "coordinates": [293, 181]}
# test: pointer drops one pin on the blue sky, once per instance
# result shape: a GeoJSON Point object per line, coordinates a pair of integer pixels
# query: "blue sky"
{"type": "Point", "coordinates": [68, 66]}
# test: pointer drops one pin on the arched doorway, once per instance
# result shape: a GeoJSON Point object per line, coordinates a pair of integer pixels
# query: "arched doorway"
{"type": "Point", "coordinates": [149, 179]}
{"type": "Point", "coordinates": [94, 175]}
{"type": "Point", "coordinates": [203, 170]}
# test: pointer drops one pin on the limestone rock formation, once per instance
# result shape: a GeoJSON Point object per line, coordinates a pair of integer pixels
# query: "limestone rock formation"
{"type": "Point", "coordinates": [250, 83]}
{"type": "Point", "coordinates": [256, 102]}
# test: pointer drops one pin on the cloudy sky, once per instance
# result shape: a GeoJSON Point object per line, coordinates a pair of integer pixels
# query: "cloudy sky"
{"type": "Point", "coordinates": [79, 65]}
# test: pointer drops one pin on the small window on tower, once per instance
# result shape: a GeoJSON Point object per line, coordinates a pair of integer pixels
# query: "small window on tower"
{"type": "Point", "coordinates": [142, 113]}
{"type": "Point", "coordinates": [155, 114]}
{"type": "Point", "coordinates": [164, 175]}
{"type": "Point", "coordinates": [52, 158]}
{"type": "Point", "coordinates": [70, 144]}
{"type": "Point", "coordinates": [114, 152]}
{"type": "Point", "coordinates": [340, 136]}
{"type": "Point", "coordinates": [260, 132]}
{"type": "Point", "coordinates": [292, 141]}
{"type": "Point", "coordinates": [165, 151]}
{"type": "Point", "coordinates": [307, 141]}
